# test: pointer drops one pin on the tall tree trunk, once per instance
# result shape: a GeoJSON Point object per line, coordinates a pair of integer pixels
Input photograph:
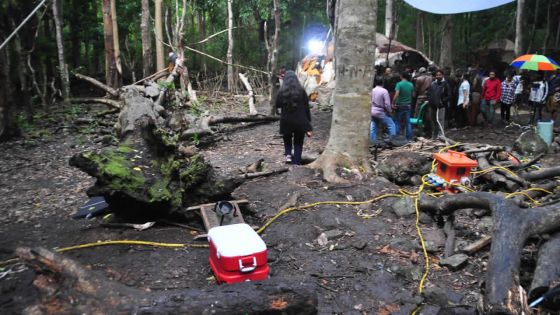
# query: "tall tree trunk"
{"type": "Point", "coordinates": [389, 18]}
{"type": "Point", "coordinates": [519, 27]}
{"type": "Point", "coordinates": [116, 44]}
{"type": "Point", "coordinates": [420, 30]}
{"type": "Point", "coordinates": [158, 21]}
{"type": "Point", "coordinates": [534, 27]}
{"type": "Point", "coordinates": [147, 58]}
{"type": "Point", "coordinates": [63, 68]}
{"type": "Point", "coordinates": [446, 54]}
{"type": "Point", "coordinates": [79, 8]}
{"type": "Point", "coordinates": [7, 121]}
{"type": "Point", "coordinates": [355, 57]}
{"type": "Point", "coordinates": [201, 16]}
{"type": "Point", "coordinates": [272, 57]}
{"type": "Point", "coordinates": [548, 26]}
{"type": "Point", "coordinates": [229, 57]}
{"type": "Point", "coordinates": [110, 65]}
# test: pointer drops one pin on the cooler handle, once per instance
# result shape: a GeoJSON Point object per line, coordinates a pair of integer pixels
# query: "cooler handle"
{"type": "Point", "coordinates": [244, 268]}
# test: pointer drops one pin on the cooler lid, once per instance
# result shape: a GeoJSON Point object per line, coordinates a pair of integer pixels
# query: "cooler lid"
{"type": "Point", "coordinates": [236, 240]}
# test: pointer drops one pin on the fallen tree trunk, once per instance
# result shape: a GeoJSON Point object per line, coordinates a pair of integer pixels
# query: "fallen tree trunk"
{"type": "Point", "coordinates": [100, 100]}
{"type": "Point", "coordinates": [542, 174]}
{"type": "Point", "coordinates": [68, 288]}
{"type": "Point", "coordinates": [512, 226]}
{"type": "Point", "coordinates": [547, 273]}
{"type": "Point", "coordinates": [202, 128]}
{"type": "Point", "coordinates": [98, 84]}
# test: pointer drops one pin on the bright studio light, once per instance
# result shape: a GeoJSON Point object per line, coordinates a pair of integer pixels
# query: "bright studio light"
{"type": "Point", "coordinates": [315, 46]}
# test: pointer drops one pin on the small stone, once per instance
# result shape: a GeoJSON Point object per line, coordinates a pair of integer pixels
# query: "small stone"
{"type": "Point", "coordinates": [403, 207]}
{"type": "Point", "coordinates": [425, 219]}
{"type": "Point", "coordinates": [322, 240]}
{"type": "Point", "coordinates": [359, 245]}
{"type": "Point", "coordinates": [333, 234]}
{"type": "Point", "coordinates": [455, 262]}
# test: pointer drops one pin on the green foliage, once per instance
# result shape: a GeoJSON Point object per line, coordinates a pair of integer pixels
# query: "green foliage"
{"type": "Point", "coordinates": [195, 139]}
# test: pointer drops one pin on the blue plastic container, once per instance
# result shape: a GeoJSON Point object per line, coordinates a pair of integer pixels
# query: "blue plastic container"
{"type": "Point", "coordinates": [544, 129]}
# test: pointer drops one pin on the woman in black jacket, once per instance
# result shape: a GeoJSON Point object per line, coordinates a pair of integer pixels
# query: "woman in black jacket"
{"type": "Point", "coordinates": [295, 119]}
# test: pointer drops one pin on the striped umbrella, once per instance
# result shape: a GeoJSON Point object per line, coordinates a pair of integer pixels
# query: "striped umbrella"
{"type": "Point", "coordinates": [535, 63]}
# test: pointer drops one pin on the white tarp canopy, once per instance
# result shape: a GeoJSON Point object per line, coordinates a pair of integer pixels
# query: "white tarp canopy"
{"type": "Point", "coordinates": [455, 6]}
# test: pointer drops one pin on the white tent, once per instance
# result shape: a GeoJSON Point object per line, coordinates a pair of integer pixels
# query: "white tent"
{"type": "Point", "coordinates": [455, 6]}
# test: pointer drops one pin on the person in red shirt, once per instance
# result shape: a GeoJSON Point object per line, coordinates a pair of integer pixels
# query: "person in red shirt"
{"type": "Point", "coordinates": [491, 93]}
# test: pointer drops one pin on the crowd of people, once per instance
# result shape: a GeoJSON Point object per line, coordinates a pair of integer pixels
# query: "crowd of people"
{"type": "Point", "coordinates": [438, 99]}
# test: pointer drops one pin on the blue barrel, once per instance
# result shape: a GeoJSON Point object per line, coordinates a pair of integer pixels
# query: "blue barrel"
{"type": "Point", "coordinates": [544, 129]}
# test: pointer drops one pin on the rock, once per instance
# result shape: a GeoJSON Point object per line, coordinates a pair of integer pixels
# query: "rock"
{"type": "Point", "coordinates": [152, 90]}
{"type": "Point", "coordinates": [322, 240]}
{"type": "Point", "coordinates": [555, 147]}
{"type": "Point", "coordinates": [403, 207]}
{"type": "Point", "coordinates": [400, 167]}
{"type": "Point", "coordinates": [530, 143]}
{"type": "Point", "coordinates": [359, 245]}
{"type": "Point", "coordinates": [333, 234]}
{"type": "Point", "coordinates": [458, 310]}
{"type": "Point", "coordinates": [425, 219]}
{"type": "Point", "coordinates": [441, 296]}
{"type": "Point", "coordinates": [455, 262]}
{"type": "Point", "coordinates": [436, 236]}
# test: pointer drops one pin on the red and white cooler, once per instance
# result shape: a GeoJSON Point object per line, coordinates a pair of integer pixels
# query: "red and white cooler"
{"type": "Point", "coordinates": [237, 254]}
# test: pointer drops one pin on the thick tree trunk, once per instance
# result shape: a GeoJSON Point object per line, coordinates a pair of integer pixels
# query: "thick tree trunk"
{"type": "Point", "coordinates": [519, 27]}
{"type": "Point", "coordinates": [273, 56]}
{"type": "Point", "coordinates": [74, 289]}
{"type": "Point", "coordinates": [389, 18]}
{"type": "Point", "coordinates": [230, 79]}
{"type": "Point", "coordinates": [355, 56]}
{"type": "Point", "coordinates": [147, 58]}
{"type": "Point", "coordinates": [446, 55]}
{"type": "Point", "coordinates": [420, 30]}
{"type": "Point", "coordinates": [63, 68]}
{"type": "Point", "coordinates": [110, 62]}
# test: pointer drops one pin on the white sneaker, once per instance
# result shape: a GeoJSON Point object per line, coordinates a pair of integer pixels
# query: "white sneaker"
{"type": "Point", "coordinates": [288, 159]}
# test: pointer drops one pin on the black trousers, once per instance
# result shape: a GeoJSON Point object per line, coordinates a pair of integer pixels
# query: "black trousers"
{"type": "Point", "coordinates": [294, 139]}
{"type": "Point", "coordinates": [505, 110]}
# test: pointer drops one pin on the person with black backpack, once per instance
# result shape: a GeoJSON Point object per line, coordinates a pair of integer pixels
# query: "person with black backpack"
{"type": "Point", "coordinates": [295, 119]}
{"type": "Point", "coordinates": [438, 100]}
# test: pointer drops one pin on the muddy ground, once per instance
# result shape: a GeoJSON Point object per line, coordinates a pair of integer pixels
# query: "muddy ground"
{"type": "Point", "coordinates": [371, 265]}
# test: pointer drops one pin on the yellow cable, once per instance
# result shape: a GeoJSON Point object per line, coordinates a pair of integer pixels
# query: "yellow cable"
{"type": "Point", "coordinates": [288, 210]}
{"type": "Point", "coordinates": [424, 251]}
{"type": "Point", "coordinates": [128, 242]}
{"type": "Point", "coordinates": [118, 242]}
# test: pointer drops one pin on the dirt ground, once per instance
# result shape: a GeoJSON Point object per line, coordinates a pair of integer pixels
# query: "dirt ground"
{"type": "Point", "coordinates": [371, 265]}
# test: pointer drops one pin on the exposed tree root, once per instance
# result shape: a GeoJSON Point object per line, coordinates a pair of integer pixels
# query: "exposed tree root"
{"type": "Point", "coordinates": [329, 161]}
{"type": "Point", "coordinates": [512, 226]}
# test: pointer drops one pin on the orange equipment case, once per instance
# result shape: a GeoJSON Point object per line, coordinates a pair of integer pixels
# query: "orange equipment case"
{"type": "Point", "coordinates": [453, 166]}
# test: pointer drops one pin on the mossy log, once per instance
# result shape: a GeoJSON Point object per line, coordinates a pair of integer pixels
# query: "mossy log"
{"type": "Point", "coordinates": [144, 176]}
